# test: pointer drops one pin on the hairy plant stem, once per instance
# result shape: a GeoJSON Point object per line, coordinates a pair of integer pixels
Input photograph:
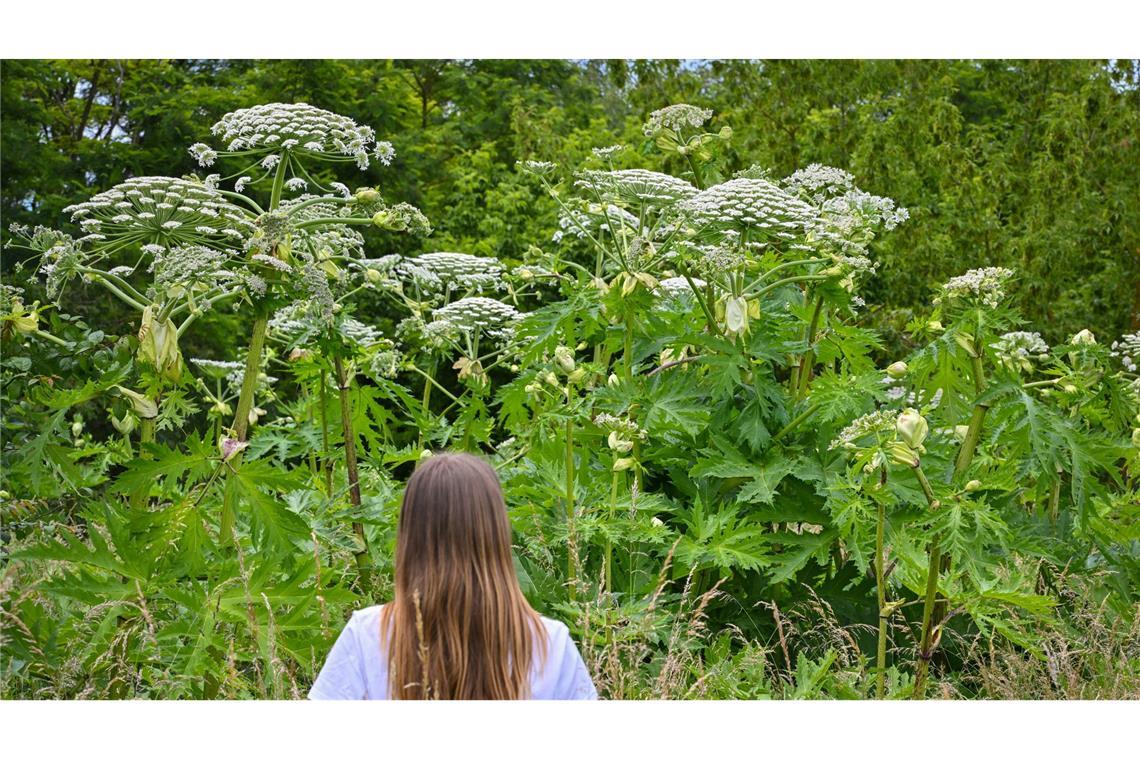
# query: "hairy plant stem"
{"type": "Point", "coordinates": [571, 539]}
{"type": "Point", "coordinates": [881, 593]}
{"type": "Point", "coordinates": [146, 435]}
{"type": "Point", "coordinates": [803, 417]}
{"type": "Point", "coordinates": [425, 401]}
{"type": "Point", "coordinates": [326, 453]}
{"type": "Point", "coordinates": [609, 567]}
{"type": "Point", "coordinates": [802, 376]}
{"type": "Point", "coordinates": [248, 385]}
{"type": "Point", "coordinates": [363, 558]}
{"type": "Point", "coordinates": [929, 641]}
{"type": "Point", "coordinates": [966, 453]}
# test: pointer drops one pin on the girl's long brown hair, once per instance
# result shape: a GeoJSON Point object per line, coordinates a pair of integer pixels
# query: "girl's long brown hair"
{"type": "Point", "coordinates": [459, 626]}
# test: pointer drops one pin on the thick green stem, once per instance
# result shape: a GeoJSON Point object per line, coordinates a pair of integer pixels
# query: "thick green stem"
{"type": "Point", "coordinates": [803, 417]}
{"type": "Point", "coordinates": [363, 557]}
{"type": "Point", "coordinates": [326, 454]}
{"type": "Point", "coordinates": [802, 376]}
{"type": "Point", "coordinates": [571, 539]}
{"type": "Point", "coordinates": [881, 593]}
{"type": "Point", "coordinates": [609, 571]}
{"type": "Point", "coordinates": [146, 435]}
{"type": "Point", "coordinates": [929, 619]}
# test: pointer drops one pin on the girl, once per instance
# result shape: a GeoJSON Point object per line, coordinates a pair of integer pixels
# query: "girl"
{"type": "Point", "coordinates": [459, 626]}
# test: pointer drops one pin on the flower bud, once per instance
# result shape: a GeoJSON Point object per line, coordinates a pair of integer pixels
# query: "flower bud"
{"type": "Point", "coordinates": [255, 414]}
{"type": "Point", "coordinates": [514, 368]}
{"type": "Point", "coordinates": [912, 428]}
{"type": "Point", "coordinates": [966, 342]}
{"type": "Point", "coordinates": [656, 522]}
{"type": "Point", "coordinates": [299, 353]}
{"type": "Point", "coordinates": [960, 432]}
{"type": "Point", "coordinates": [374, 276]}
{"type": "Point", "coordinates": [564, 357]}
{"type": "Point", "coordinates": [1136, 437]}
{"type": "Point", "coordinates": [229, 447]}
{"type": "Point", "coordinates": [76, 427]}
{"type": "Point", "coordinates": [125, 426]}
{"type": "Point", "coordinates": [1083, 338]}
{"type": "Point", "coordinates": [425, 454]}
{"type": "Point", "coordinates": [735, 315]}
{"type": "Point", "coordinates": [367, 195]}
{"type": "Point", "coordinates": [617, 443]}
{"type": "Point", "coordinates": [548, 377]}
{"type": "Point", "coordinates": [1069, 388]}
{"type": "Point", "coordinates": [897, 370]}
{"type": "Point", "coordinates": [973, 485]}
{"type": "Point", "coordinates": [725, 133]}
{"type": "Point", "coordinates": [526, 274]}
{"type": "Point", "coordinates": [900, 453]}
{"type": "Point", "coordinates": [613, 380]}
{"type": "Point", "coordinates": [380, 218]}
{"type": "Point", "coordinates": [623, 464]}
{"type": "Point", "coordinates": [143, 406]}
{"type": "Point", "coordinates": [576, 376]}
{"type": "Point", "coordinates": [934, 325]}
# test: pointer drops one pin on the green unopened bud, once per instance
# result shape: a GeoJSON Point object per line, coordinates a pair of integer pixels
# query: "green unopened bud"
{"type": "Point", "coordinates": [576, 376]}
{"type": "Point", "coordinates": [367, 195]}
{"type": "Point", "coordinates": [934, 325]}
{"type": "Point", "coordinates": [623, 464]}
{"type": "Point", "coordinates": [381, 218]}
{"type": "Point", "coordinates": [76, 427]}
{"type": "Point", "coordinates": [960, 432]}
{"type": "Point", "coordinates": [143, 406]}
{"type": "Point", "coordinates": [374, 276]}
{"type": "Point", "coordinates": [966, 342]}
{"type": "Point", "coordinates": [897, 370]}
{"type": "Point", "coordinates": [725, 133]}
{"type": "Point", "coordinates": [617, 443]}
{"type": "Point", "coordinates": [564, 357]}
{"type": "Point", "coordinates": [1069, 388]}
{"type": "Point", "coordinates": [973, 485]}
{"type": "Point", "coordinates": [735, 315]}
{"type": "Point", "coordinates": [230, 447]}
{"type": "Point", "coordinates": [425, 454]}
{"type": "Point", "coordinates": [548, 377]}
{"type": "Point", "coordinates": [912, 428]}
{"type": "Point", "coordinates": [613, 380]}
{"type": "Point", "coordinates": [125, 426]}
{"type": "Point", "coordinates": [900, 453]}
{"type": "Point", "coordinates": [526, 274]}
{"type": "Point", "coordinates": [1083, 338]}
{"type": "Point", "coordinates": [158, 345]}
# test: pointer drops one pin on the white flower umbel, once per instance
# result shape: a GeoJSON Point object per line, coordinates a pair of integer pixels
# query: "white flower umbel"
{"type": "Point", "coordinates": [475, 315]}
{"type": "Point", "coordinates": [327, 240]}
{"type": "Point", "coordinates": [816, 183]}
{"type": "Point", "coordinates": [295, 130]}
{"type": "Point", "coordinates": [676, 117]}
{"type": "Point", "coordinates": [188, 268]}
{"type": "Point", "coordinates": [678, 287]}
{"type": "Point", "coordinates": [877, 423]}
{"type": "Point", "coordinates": [161, 211]}
{"type": "Point", "coordinates": [755, 206]}
{"type": "Point", "coordinates": [441, 271]}
{"type": "Point", "coordinates": [1127, 349]}
{"type": "Point", "coordinates": [634, 187]}
{"type": "Point", "coordinates": [987, 284]}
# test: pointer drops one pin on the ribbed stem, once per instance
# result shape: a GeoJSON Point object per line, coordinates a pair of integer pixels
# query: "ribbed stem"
{"type": "Point", "coordinates": [363, 558]}
{"type": "Point", "coordinates": [927, 643]}
{"type": "Point", "coordinates": [881, 593]}
{"type": "Point", "coordinates": [571, 540]}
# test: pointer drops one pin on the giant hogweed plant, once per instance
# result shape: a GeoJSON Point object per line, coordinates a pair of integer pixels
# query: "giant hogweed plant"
{"type": "Point", "coordinates": [676, 391]}
{"type": "Point", "coordinates": [282, 247]}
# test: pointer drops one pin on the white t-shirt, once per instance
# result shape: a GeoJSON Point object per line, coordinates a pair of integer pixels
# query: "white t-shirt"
{"type": "Point", "coordinates": [357, 666]}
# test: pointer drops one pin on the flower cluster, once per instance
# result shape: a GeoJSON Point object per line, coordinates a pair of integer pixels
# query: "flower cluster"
{"type": "Point", "coordinates": [1128, 350]}
{"type": "Point", "coordinates": [678, 287]}
{"type": "Point", "coordinates": [988, 284]}
{"type": "Point", "coordinates": [186, 268]}
{"type": "Point", "coordinates": [607, 154]}
{"type": "Point", "coordinates": [445, 271]}
{"type": "Point", "coordinates": [60, 256]}
{"type": "Point", "coordinates": [594, 217]}
{"type": "Point", "coordinates": [326, 240]}
{"type": "Point", "coordinates": [474, 315]}
{"type": "Point", "coordinates": [755, 205]}
{"type": "Point", "coordinates": [876, 423]}
{"type": "Point", "coordinates": [161, 211]}
{"type": "Point", "coordinates": [816, 183]}
{"type": "Point", "coordinates": [295, 129]}
{"type": "Point", "coordinates": [1015, 349]}
{"type": "Point", "coordinates": [637, 187]}
{"type": "Point", "coordinates": [676, 117]}
{"type": "Point", "coordinates": [217, 369]}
